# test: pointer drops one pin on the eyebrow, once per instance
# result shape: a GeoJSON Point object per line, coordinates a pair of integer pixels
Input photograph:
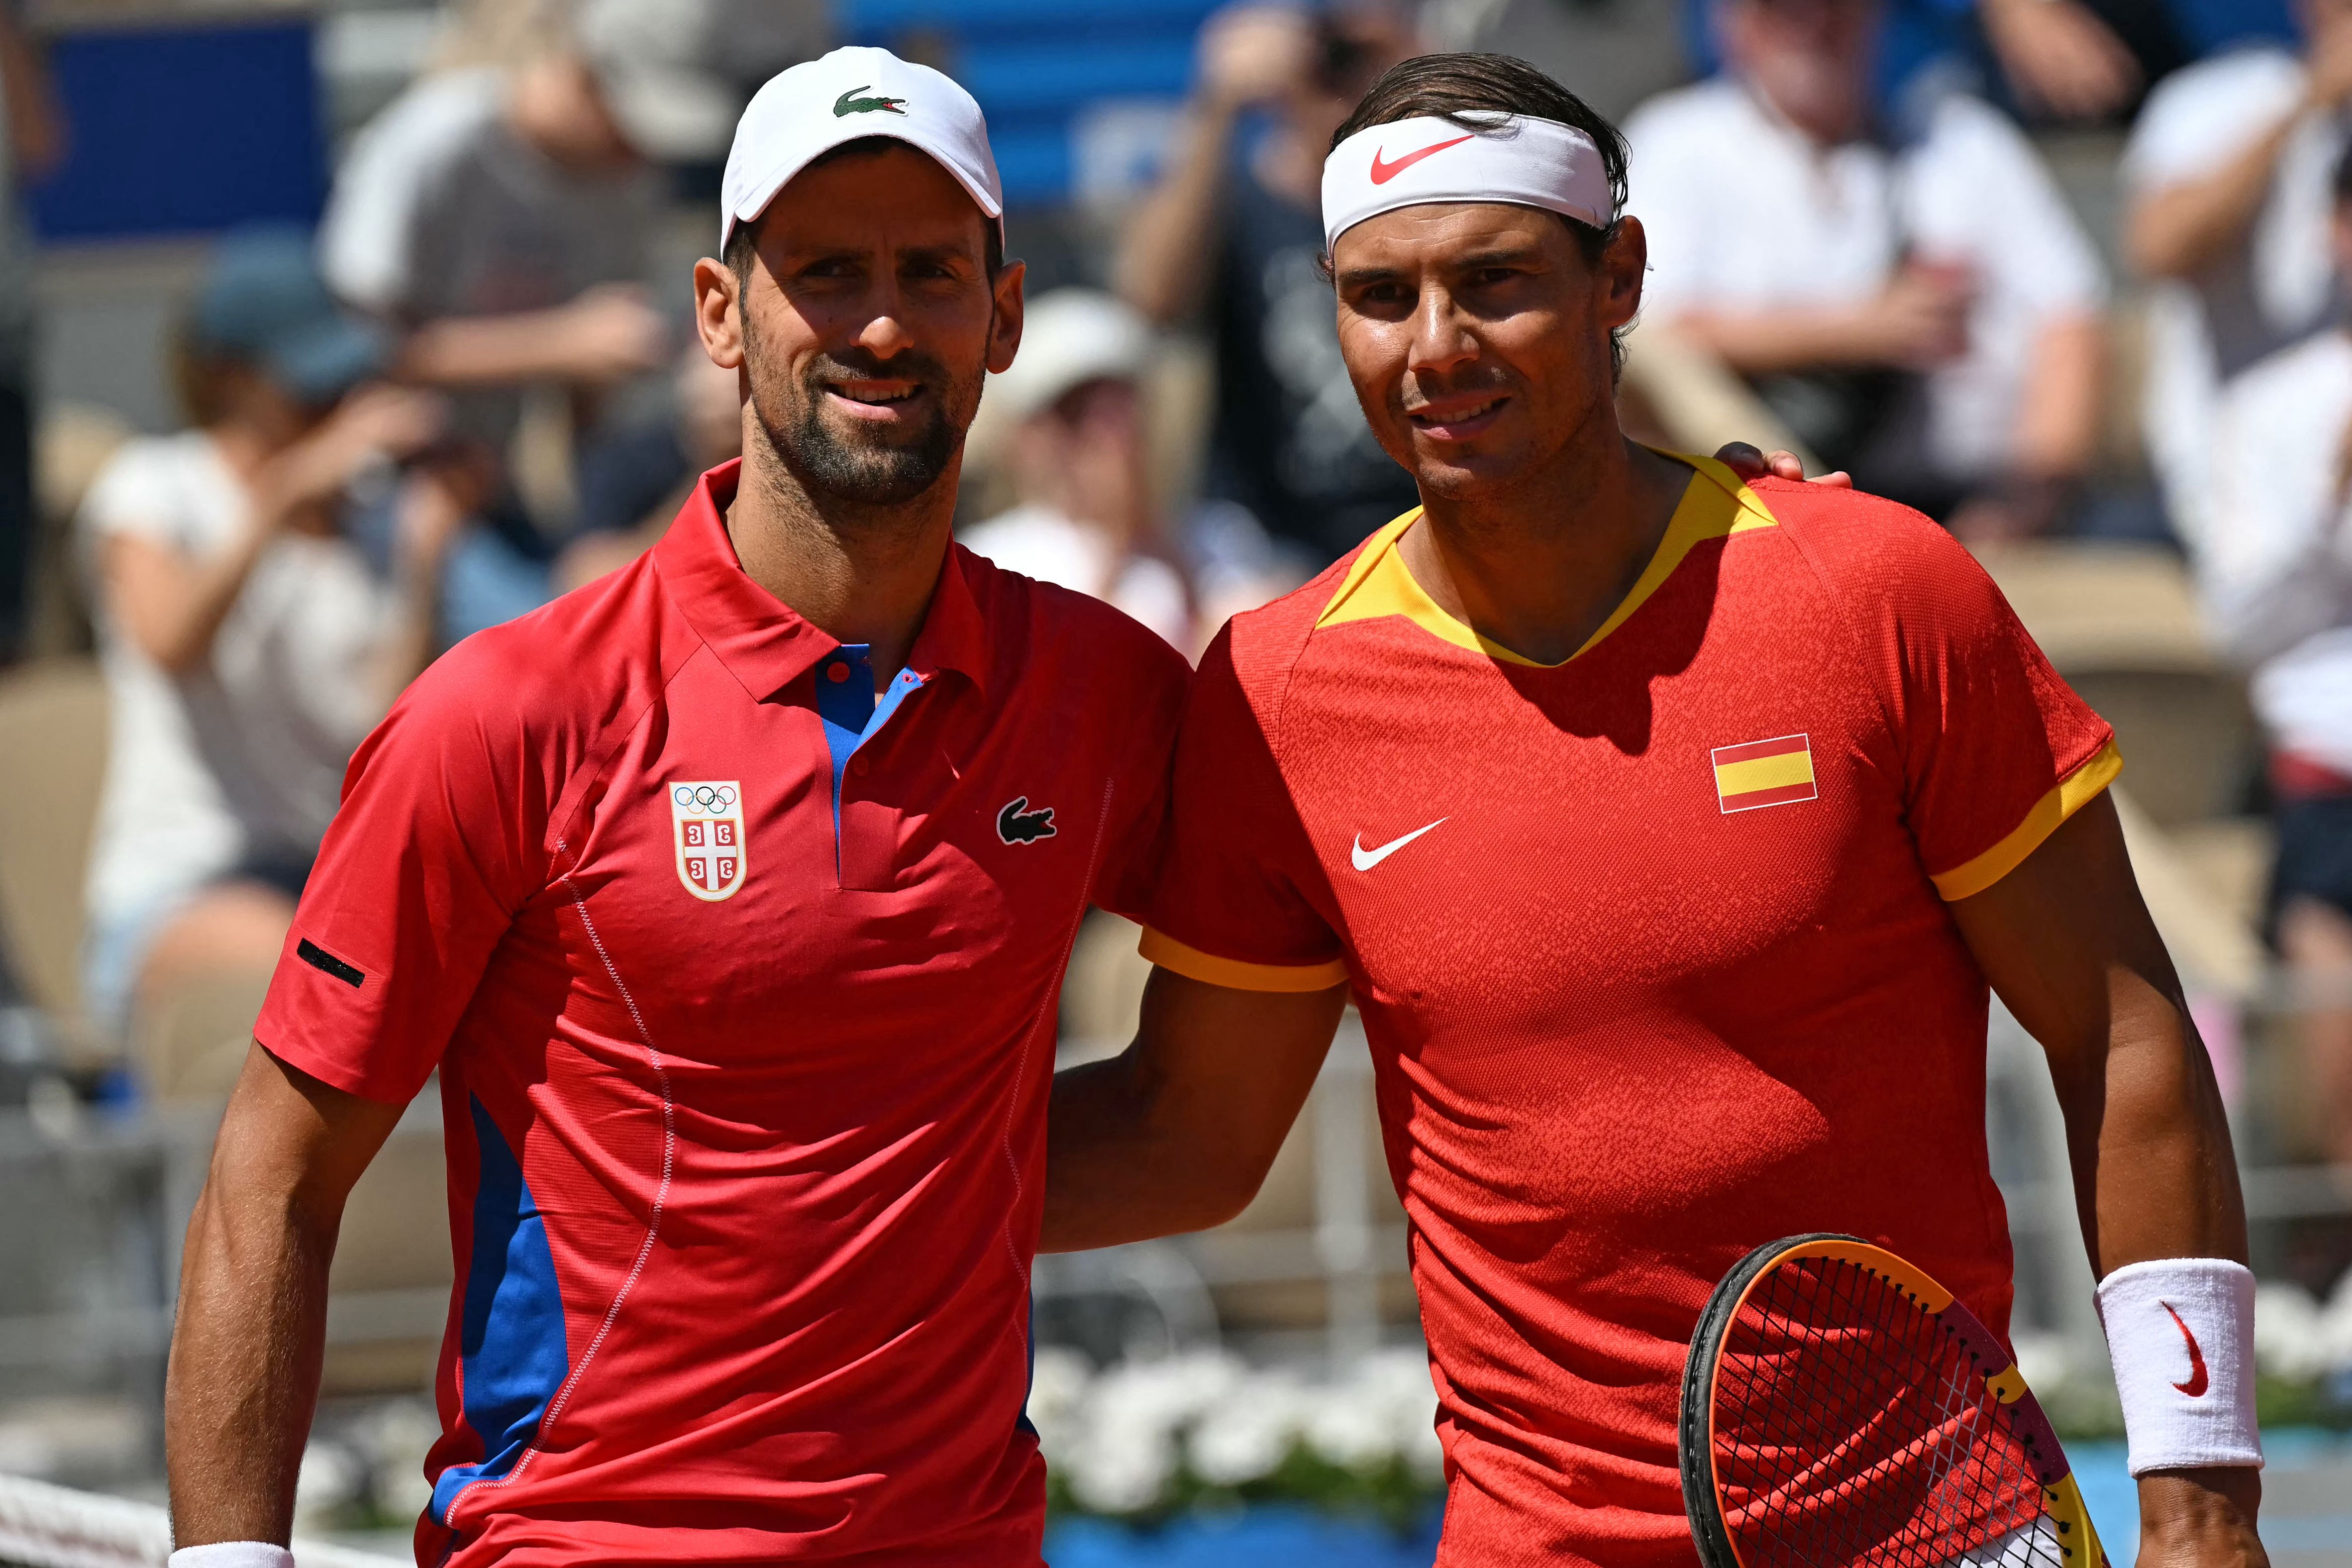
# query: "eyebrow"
{"type": "Point", "coordinates": [1493, 255]}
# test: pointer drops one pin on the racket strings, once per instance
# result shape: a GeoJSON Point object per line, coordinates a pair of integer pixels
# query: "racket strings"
{"type": "Point", "coordinates": [1851, 1427]}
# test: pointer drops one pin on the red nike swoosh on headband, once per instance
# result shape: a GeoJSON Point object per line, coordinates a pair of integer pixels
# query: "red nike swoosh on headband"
{"type": "Point", "coordinates": [1383, 171]}
{"type": "Point", "coordinates": [2195, 1387]}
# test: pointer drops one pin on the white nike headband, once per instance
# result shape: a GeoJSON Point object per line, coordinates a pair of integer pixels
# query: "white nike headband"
{"type": "Point", "coordinates": [1511, 158]}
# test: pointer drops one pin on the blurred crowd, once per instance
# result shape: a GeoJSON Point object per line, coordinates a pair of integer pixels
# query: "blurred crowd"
{"type": "Point", "coordinates": [467, 392]}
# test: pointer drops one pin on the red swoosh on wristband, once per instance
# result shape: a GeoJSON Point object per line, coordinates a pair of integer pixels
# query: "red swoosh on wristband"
{"type": "Point", "coordinates": [1382, 172]}
{"type": "Point", "coordinates": [2197, 1384]}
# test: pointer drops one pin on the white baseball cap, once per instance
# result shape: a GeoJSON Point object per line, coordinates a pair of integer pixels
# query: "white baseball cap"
{"type": "Point", "coordinates": [851, 93]}
{"type": "Point", "coordinates": [1070, 337]}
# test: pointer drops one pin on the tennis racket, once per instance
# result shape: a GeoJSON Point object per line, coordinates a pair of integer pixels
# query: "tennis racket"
{"type": "Point", "coordinates": [1841, 1409]}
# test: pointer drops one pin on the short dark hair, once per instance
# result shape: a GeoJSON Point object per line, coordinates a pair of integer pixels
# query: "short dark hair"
{"type": "Point", "coordinates": [1460, 88]}
{"type": "Point", "coordinates": [743, 242]}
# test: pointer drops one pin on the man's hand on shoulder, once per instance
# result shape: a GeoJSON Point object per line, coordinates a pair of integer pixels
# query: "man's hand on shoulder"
{"type": "Point", "coordinates": [2200, 1519]}
{"type": "Point", "coordinates": [1752, 462]}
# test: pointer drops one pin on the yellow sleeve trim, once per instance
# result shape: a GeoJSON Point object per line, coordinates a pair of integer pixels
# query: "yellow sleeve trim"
{"type": "Point", "coordinates": [1234, 975]}
{"type": "Point", "coordinates": [2074, 792]}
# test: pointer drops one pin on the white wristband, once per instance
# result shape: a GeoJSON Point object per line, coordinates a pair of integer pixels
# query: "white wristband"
{"type": "Point", "coordinates": [233, 1554]}
{"type": "Point", "coordinates": [2180, 1331]}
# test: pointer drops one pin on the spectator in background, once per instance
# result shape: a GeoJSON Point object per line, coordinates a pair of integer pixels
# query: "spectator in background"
{"type": "Point", "coordinates": [496, 218]}
{"type": "Point", "coordinates": [1073, 446]}
{"type": "Point", "coordinates": [34, 142]}
{"type": "Point", "coordinates": [633, 482]}
{"type": "Point", "coordinates": [2227, 185]}
{"type": "Point", "coordinates": [248, 642]}
{"type": "Point", "coordinates": [1914, 300]}
{"type": "Point", "coordinates": [1235, 227]}
{"type": "Point", "coordinates": [2275, 571]}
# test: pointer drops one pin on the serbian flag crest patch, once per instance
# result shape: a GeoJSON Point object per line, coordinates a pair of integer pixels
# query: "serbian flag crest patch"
{"type": "Point", "coordinates": [1777, 772]}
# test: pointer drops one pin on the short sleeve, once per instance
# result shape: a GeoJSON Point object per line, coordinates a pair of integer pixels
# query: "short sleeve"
{"type": "Point", "coordinates": [2201, 117]}
{"type": "Point", "coordinates": [1231, 906]}
{"type": "Point", "coordinates": [1991, 749]}
{"type": "Point", "coordinates": [137, 496]}
{"type": "Point", "coordinates": [436, 848]}
{"type": "Point", "coordinates": [1996, 749]}
{"type": "Point", "coordinates": [2041, 257]}
{"type": "Point", "coordinates": [381, 214]}
{"type": "Point", "coordinates": [1136, 841]}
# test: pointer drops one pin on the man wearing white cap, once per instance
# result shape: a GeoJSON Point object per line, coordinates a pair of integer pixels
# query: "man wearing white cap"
{"type": "Point", "coordinates": [1667, 829]}
{"type": "Point", "coordinates": [730, 897]}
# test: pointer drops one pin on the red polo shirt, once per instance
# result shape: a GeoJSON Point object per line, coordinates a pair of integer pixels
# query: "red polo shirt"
{"type": "Point", "coordinates": [742, 990]}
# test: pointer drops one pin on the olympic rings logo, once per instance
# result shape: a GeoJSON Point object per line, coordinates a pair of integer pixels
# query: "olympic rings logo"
{"type": "Point", "coordinates": [706, 796]}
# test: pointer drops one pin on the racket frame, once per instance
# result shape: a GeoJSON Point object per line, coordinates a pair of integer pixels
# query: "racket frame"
{"type": "Point", "coordinates": [1702, 1488]}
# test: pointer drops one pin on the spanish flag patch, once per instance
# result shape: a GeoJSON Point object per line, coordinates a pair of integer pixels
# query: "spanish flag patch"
{"type": "Point", "coordinates": [1776, 772]}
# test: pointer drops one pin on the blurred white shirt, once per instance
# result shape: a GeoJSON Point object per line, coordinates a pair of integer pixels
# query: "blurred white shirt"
{"type": "Point", "coordinates": [243, 755]}
{"type": "Point", "coordinates": [1744, 211]}
{"type": "Point", "coordinates": [1039, 542]}
{"type": "Point", "coordinates": [441, 210]}
{"type": "Point", "coordinates": [2275, 566]}
{"type": "Point", "coordinates": [2268, 291]}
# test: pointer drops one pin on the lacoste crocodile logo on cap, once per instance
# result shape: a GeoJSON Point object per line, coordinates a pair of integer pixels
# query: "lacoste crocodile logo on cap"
{"type": "Point", "coordinates": [849, 103]}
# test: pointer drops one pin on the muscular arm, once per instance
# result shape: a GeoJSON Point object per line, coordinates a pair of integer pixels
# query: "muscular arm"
{"type": "Point", "coordinates": [1176, 1132]}
{"type": "Point", "coordinates": [253, 1299]}
{"type": "Point", "coordinates": [2067, 943]}
{"type": "Point", "coordinates": [2176, 230]}
{"type": "Point", "coordinates": [1167, 251]}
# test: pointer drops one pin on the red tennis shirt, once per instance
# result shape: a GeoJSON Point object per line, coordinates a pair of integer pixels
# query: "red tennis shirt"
{"type": "Point", "coordinates": [1649, 946]}
{"type": "Point", "coordinates": [742, 983]}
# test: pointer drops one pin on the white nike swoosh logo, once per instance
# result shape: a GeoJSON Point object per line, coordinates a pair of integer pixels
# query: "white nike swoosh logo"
{"type": "Point", "coordinates": [1365, 859]}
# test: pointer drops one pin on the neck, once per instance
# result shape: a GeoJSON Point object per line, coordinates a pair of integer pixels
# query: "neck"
{"type": "Point", "coordinates": [1539, 567]}
{"type": "Point", "coordinates": [858, 573]}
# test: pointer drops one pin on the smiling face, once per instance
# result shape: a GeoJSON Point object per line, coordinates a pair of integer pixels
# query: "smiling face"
{"type": "Point", "coordinates": [1477, 337]}
{"type": "Point", "coordinates": [865, 328]}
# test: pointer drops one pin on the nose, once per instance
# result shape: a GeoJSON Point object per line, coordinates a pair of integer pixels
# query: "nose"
{"type": "Point", "coordinates": [1440, 338]}
{"type": "Point", "coordinates": [884, 333]}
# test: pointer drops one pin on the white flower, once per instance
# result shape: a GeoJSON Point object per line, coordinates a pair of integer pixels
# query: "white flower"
{"type": "Point", "coordinates": [1246, 1437]}
{"type": "Point", "coordinates": [1122, 1467]}
{"type": "Point", "coordinates": [329, 1480]}
{"type": "Point", "coordinates": [1057, 1402]}
{"type": "Point", "coordinates": [1353, 1426]}
{"type": "Point", "coordinates": [2290, 1339]}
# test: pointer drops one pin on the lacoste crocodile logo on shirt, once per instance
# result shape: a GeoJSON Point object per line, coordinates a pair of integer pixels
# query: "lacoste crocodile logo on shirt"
{"type": "Point", "coordinates": [1017, 824]}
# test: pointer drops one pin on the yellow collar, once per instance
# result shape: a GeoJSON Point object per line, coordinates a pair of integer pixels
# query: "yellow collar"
{"type": "Point", "coordinates": [1716, 504]}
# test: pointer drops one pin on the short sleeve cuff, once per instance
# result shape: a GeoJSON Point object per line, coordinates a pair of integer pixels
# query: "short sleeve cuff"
{"type": "Point", "coordinates": [2074, 791]}
{"type": "Point", "coordinates": [1234, 975]}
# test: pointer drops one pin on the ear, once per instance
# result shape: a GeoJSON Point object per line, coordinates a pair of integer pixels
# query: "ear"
{"type": "Point", "coordinates": [1624, 263]}
{"type": "Point", "coordinates": [716, 314]}
{"type": "Point", "coordinates": [1004, 333]}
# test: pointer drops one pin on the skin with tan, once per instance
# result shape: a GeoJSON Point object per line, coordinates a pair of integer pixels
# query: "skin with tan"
{"type": "Point", "coordinates": [871, 316]}
{"type": "Point", "coordinates": [1478, 338]}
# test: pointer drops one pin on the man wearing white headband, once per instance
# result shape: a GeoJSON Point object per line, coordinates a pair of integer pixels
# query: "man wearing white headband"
{"type": "Point", "coordinates": [730, 897]}
{"type": "Point", "coordinates": [1668, 829]}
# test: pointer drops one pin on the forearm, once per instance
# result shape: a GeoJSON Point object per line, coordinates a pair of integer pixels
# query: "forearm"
{"type": "Point", "coordinates": [2058, 416]}
{"type": "Point", "coordinates": [2154, 1171]}
{"type": "Point", "coordinates": [488, 350]}
{"type": "Point", "coordinates": [243, 1375]}
{"type": "Point", "coordinates": [1161, 267]}
{"type": "Point", "coordinates": [1763, 342]}
{"type": "Point", "coordinates": [1118, 1170]}
{"type": "Point", "coordinates": [2177, 231]}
